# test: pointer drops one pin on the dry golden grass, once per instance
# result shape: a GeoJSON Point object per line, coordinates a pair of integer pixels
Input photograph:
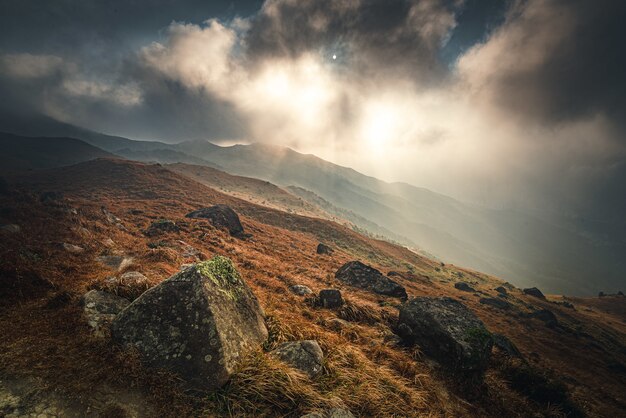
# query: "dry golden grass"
{"type": "Point", "coordinates": [364, 369]}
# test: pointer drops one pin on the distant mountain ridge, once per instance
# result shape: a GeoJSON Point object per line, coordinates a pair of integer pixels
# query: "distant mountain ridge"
{"type": "Point", "coordinates": [517, 246]}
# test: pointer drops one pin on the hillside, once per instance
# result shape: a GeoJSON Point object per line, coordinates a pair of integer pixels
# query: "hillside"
{"type": "Point", "coordinates": [50, 359]}
{"type": "Point", "coordinates": [26, 153]}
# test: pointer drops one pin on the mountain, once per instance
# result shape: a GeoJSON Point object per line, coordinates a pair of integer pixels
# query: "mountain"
{"type": "Point", "coordinates": [555, 356]}
{"type": "Point", "coordinates": [27, 153]}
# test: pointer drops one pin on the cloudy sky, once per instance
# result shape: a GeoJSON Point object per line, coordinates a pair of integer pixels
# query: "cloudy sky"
{"type": "Point", "coordinates": [504, 103]}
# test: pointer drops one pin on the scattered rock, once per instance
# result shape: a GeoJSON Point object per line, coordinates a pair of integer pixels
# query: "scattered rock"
{"type": "Point", "coordinates": [12, 228]}
{"type": "Point", "coordinates": [464, 287]}
{"type": "Point", "coordinates": [71, 248]}
{"type": "Point", "coordinates": [220, 216]}
{"type": "Point", "coordinates": [533, 291]}
{"type": "Point", "coordinates": [546, 316]}
{"type": "Point", "coordinates": [360, 275]}
{"type": "Point", "coordinates": [108, 242]}
{"type": "Point", "coordinates": [501, 290]}
{"type": "Point", "coordinates": [324, 249]}
{"type": "Point", "coordinates": [300, 290]}
{"type": "Point", "coordinates": [116, 262]}
{"type": "Point", "coordinates": [448, 331]}
{"type": "Point", "coordinates": [306, 356]}
{"type": "Point", "coordinates": [100, 309]}
{"type": "Point", "coordinates": [496, 303]}
{"type": "Point", "coordinates": [161, 226]}
{"type": "Point", "coordinates": [567, 304]}
{"type": "Point", "coordinates": [330, 298]}
{"type": "Point", "coordinates": [337, 324]}
{"type": "Point", "coordinates": [133, 278]}
{"type": "Point", "coordinates": [197, 323]}
{"type": "Point", "coordinates": [331, 413]}
{"type": "Point", "coordinates": [506, 346]}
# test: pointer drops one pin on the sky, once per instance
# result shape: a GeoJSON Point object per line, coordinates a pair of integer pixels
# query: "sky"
{"type": "Point", "coordinates": [513, 104]}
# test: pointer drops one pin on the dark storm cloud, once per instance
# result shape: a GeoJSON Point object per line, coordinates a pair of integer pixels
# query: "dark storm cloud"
{"type": "Point", "coordinates": [557, 61]}
{"type": "Point", "coordinates": [395, 35]}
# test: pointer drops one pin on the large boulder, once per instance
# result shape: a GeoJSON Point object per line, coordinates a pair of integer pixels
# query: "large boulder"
{"type": "Point", "coordinates": [300, 290]}
{"type": "Point", "coordinates": [220, 216]}
{"type": "Point", "coordinates": [448, 331]}
{"type": "Point", "coordinates": [100, 308]}
{"type": "Point", "coordinates": [306, 356]}
{"type": "Point", "coordinates": [496, 303]}
{"type": "Point", "coordinates": [197, 323]}
{"type": "Point", "coordinates": [162, 226]}
{"type": "Point", "coordinates": [330, 298]}
{"type": "Point", "coordinates": [533, 291]}
{"type": "Point", "coordinates": [324, 249]}
{"type": "Point", "coordinates": [465, 287]}
{"type": "Point", "coordinates": [360, 275]}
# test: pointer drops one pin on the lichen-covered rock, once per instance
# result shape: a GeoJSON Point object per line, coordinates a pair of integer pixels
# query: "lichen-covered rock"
{"type": "Point", "coordinates": [446, 330]}
{"type": "Point", "coordinates": [360, 275]}
{"type": "Point", "coordinates": [330, 298]}
{"type": "Point", "coordinates": [300, 290]}
{"type": "Point", "coordinates": [220, 216]}
{"type": "Point", "coordinates": [116, 262]}
{"type": "Point", "coordinates": [197, 323]}
{"type": "Point", "coordinates": [306, 356]}
{"type": "Point", "coordinates": [501, 290]}
{"type": "Point", "coordinates": [100, 309]}
{"type": "Point", "coordinates": [324, 249]}
{"type": "Point", "coordinates": [533, 291]}
{"type": "Point", "coordinates": [506, 346]}
{"type": "Point", "coordinates": [464, 287]}
{"type": "Point", "coordinates": [546, 316]}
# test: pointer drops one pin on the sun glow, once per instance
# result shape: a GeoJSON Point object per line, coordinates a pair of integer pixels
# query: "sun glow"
{"type": "Point", "coordinates": [380, 124]}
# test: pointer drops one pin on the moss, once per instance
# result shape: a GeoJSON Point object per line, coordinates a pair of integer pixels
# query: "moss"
{"type": "Point", "coordinates": [221, 271]}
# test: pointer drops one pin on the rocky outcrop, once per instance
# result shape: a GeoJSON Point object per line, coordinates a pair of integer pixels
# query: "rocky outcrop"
{"type": "Point", "coordinates": [300, 290]}
{"type": "Point", "coordinates": [116, 262]}
{"type": "Point", "coordinates": [464, 287]}
{"type": "Point", "coordinates": [533, 291]}
{"type": "Point", "coordinates": [360, 275]}
{"type": "Point", "coordinates": [324, 249]}
{"type": "Point", "coordinates": [546, 316]}
{"type": "Point", "coordinates": [100, 309]}
{"type": "Point", "coordinates": [306, 356]}
{"type": "Point", "coordinates": [506, 346]}
{"type": "Point", "coordinates": [197, 323]}
{"type": "Point", "coordinates": [161, 226]}
{"type": "Point", "coordinates": [501, 290]}
{"type": "Point", "coordinates": [220, 216]}
{"type": "Point", "coordinates": [448, 331]}
{"type": "Point", "coordinates": [330, 298]}
{"type": "Point", "coordinates": [496, 303]}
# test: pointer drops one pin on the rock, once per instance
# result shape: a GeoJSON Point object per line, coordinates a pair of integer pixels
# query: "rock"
{"type": "Point", "coordinates": [196, 324]}
{"type": "Point", "coordinates": [100, 308]}
{"type": "Point", "coordinates": [330, 413]}
{"type": "Point", "coordinates": [448, 331]}
{"type": "Point", "coordinates": [132, 278]}
{"type": "Point", "coordinates": [620, 293]}
{"type": "Point", "coordinates": [11, 228]}
{"type": "Point", "coordinates": [161, 226]}
{"type": "Point", "coordinates": [501, 290]}
{"type": "Point", "coordinates": [464, 287]}
{"type": "Point", "coordinates": [601, 294]}
{"type": "Point", "coordinates": [566, 304]}
{"type": "Point", "coordinates": [546, 316]}
{"type": "Point", "coordinates": [220, 216]}
{"type": "Point", "coordinates": [300, 290]}
{"type": "Point", "coordinates": [306, 356]}
{"type": "Point", "coordinates": [360, 275]}
{"type": "Point", "coordinates": [71, 248]}
{"type": "Point", "coordinates": [337, 324]}
{"type": "Point", "coordinates": [533, 291]}
{"type": "Point", "coordinates": [116, 262]}
{"type": "Point", "coordinates": [506, 346]}
{"type": "Point", "coordinates": [49, 197]}
{"type": "Point", "coordinates": [324, 249]}
{"type": "Point", "coordinates": [496, 303]}
{"type": "Point", "coordinates": [330, 298]}
{"type": "Point", "coordinates": [108, 242]}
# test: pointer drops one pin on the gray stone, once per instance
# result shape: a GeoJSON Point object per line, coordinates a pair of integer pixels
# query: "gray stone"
{"type": "Point", "coordinates": [496, 303]}
{"type": "Point", "coordinates": [100, 309]}
{"type": "Point", "coordinates": [337, 324]}
{"type": "Point", "coordinates": [196, 324]}
{"type": "Point", "coordinates": [446, 330]}
{"type": "Point", "coordinates": [161, 226]}
{"type": "Point", "coordinates": [546, 316]}
{"type": "Point", "coordinates": [324, 249]}
{"type": "Point", "coordinates": [360, 275]}
{"type": "Point", "coordinates": [464, 287]}
{"type": "Point", "coordinates": [300, 290]}
{"type": "Point", "coordinates": [220, 216]}
{"type": "Point", "coordinates": [330, 298]}
{"type": "Point", "coordinates": [506, 346]}
{"type": "Point", "coordinates": [501, 290]}
{"type": "Point", "coordinates": [533, 291]}
{"type": "Point", "coordinates": [116, 262]}
{"type": "Point", "coordinates": [71, 248]}
{"type": "Point", "coordinates": [306, 356]}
